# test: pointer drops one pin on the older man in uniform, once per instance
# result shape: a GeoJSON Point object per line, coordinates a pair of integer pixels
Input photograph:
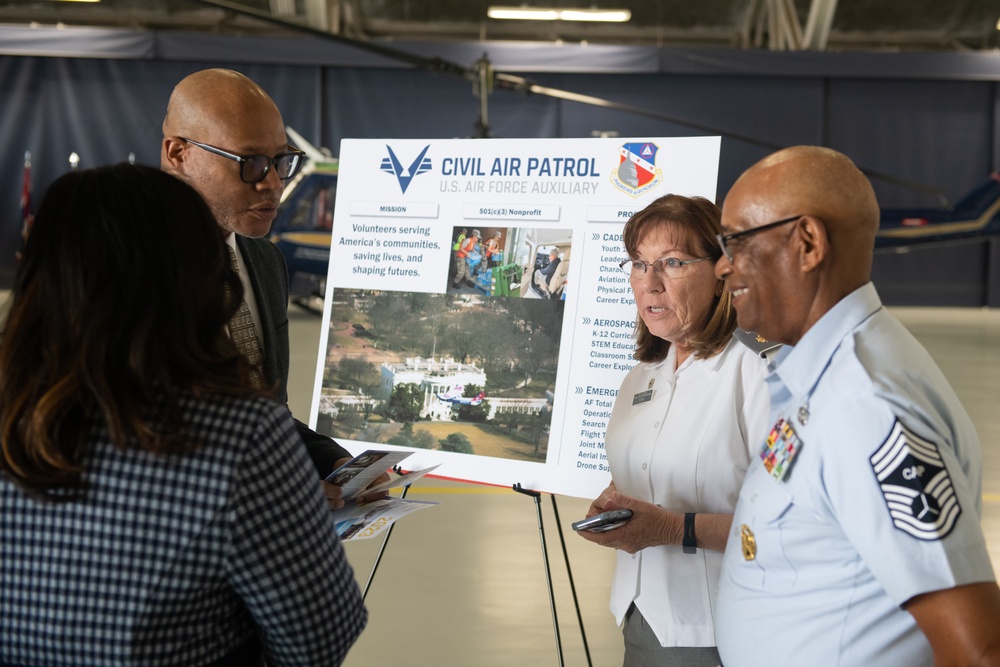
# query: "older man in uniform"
{"type": "Point", "coordinates": [857, 537]}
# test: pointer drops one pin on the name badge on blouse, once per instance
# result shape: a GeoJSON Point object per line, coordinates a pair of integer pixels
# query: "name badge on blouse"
{"type": "Point", "coordinates": [642, 397]}
{"type": "Point", "coordinates": [779, 449]}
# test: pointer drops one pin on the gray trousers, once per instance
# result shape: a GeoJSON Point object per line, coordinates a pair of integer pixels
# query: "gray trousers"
{"type": "Point", "coordinates": [642, 648]}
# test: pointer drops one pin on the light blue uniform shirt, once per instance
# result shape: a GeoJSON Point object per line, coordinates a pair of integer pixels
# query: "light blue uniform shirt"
{"type": "Point", "coordinates": [880, 503]}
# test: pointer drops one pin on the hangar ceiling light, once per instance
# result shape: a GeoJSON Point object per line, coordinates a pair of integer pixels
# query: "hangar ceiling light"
{"type": "Point", "coordinates": [558, 14]}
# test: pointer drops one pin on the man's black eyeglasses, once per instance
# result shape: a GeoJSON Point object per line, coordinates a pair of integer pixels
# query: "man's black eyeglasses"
{"type": "Point", "coordinates": [254, 168]}
{"type": "Point", "coordinates": [725, 239]}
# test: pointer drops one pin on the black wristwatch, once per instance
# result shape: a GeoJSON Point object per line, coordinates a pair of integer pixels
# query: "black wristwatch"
{"type": "Point", "coordinates": [690, 542]}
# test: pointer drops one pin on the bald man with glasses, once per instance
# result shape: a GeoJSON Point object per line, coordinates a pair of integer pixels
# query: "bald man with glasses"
{"type": "Point", "coordinates": [224, 136]}
{"type": "Point", "coordinates": [857, 537]}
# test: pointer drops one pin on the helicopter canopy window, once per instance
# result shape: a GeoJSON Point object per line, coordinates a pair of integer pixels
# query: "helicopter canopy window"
{"type": "Point", "coordinates": [314, 210]}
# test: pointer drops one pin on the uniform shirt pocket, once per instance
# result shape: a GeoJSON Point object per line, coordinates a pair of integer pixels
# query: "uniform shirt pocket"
{"type": "Point", "coordinates": [766, 505]}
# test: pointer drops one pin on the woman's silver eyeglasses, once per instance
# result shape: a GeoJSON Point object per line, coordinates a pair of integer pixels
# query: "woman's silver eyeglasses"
{"type": "Point", "coordinates": [665, 267]}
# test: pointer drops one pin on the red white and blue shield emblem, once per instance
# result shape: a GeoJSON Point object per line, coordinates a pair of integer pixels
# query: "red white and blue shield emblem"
{"type": "Point", "coordinates": [637, 171]}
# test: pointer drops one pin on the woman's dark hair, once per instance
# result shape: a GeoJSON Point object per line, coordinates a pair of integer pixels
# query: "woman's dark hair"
{"type": "Point", "coordinates": [696, 221]}
{"type": "Point", "coordinates": [120, 302]}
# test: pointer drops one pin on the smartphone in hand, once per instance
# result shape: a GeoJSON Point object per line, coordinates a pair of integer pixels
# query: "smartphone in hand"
{"type": "Point", "coordinates": [603, 521]}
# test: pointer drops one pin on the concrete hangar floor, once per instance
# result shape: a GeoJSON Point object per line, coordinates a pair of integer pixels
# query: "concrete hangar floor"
{"type": "Point", "coordinates": [463, 584]}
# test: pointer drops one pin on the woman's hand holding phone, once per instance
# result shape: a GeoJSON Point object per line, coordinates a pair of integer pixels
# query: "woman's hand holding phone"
{"type": "Point", "coordinates": [604, 521]}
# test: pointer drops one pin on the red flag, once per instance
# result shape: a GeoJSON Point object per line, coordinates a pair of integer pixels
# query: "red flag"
{"type": "Point", "coordinates": [26, 217]}
{"type": "Point", "coordinates": [26, 189]}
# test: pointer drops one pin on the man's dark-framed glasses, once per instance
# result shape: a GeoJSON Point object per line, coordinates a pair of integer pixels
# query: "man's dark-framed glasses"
{"type": "Point", "coordinates": [725, 240]}
{"type": "Point", "coordinates": [255, 168]}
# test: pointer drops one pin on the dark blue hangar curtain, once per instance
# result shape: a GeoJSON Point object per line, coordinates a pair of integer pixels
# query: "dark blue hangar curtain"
{"type": "Point", "coordinates": [928, 118]}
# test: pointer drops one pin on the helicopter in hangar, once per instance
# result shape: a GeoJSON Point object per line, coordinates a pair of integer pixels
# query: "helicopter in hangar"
{"type": "Point", "coordinates": [974, 216]}
{"type": "Point", "coordinates": [303, 227]}
{"type": "Point", "coordinates": [302, 230]}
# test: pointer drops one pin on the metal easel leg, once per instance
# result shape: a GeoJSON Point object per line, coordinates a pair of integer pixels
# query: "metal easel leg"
{"type": "Point", "coordinates": [548, 572]}
{"type": "Point", "coordinates": [572, 586]}
{"type": "Point", "coordinates": [381, 550]}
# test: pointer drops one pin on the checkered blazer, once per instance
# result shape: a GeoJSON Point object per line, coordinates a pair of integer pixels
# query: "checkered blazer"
{"type": "Point", "coordinates": [180, 560]}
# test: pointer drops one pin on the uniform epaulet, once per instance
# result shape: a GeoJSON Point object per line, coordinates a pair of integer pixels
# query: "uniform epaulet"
{"type": "Point", "coordinates": [760, 345]}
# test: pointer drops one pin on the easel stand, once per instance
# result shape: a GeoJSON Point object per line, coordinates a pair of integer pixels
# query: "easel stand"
{"type": "Point", "coordinates": [385, 541]}
{"type": "Point", "coordinates": [548, 572]}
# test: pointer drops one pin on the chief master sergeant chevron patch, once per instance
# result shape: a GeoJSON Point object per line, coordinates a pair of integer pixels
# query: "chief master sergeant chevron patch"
{"type": "Point", "coordinates": [915, 484]}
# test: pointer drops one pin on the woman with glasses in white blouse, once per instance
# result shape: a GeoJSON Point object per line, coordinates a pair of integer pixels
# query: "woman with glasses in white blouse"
{"type": "Point", "coordinates": [685, 423]}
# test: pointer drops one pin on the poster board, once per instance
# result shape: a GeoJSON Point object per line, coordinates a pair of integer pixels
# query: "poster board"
{"type": "Point", "coordinates": [504, 367]}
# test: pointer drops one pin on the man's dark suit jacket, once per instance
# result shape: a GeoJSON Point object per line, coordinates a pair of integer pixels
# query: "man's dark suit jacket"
{"type": "Point", "coordinates": [268, 276]}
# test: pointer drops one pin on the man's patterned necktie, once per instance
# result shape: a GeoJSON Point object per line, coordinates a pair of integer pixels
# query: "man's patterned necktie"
{"type": "Point", "coordinates": [243, 332]}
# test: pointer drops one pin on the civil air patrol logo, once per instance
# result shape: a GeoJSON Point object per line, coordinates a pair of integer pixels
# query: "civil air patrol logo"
{"type": "Point", "coordinates": [637, 172]}
{"type": "Point", "coordinates": [404, 174]}
{"type": "Point", "coordinates": [915, 484]}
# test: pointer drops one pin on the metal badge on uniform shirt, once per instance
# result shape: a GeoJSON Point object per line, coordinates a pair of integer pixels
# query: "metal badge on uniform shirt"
{"type": "Point", "coordinates": [761, 346]}
{"type": "Point", "coordinates": [804, 413]}
{"type": "Point", "coordinates": [779, 449]}
{"type": "Point", "coordinates": [749, 542]}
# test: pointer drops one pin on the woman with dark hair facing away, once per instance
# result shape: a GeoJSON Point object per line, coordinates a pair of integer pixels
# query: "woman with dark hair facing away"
{"type": "Point", "coordinates": [155, 508]}
{"type": "Point", "coordinates": [679, 438]}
